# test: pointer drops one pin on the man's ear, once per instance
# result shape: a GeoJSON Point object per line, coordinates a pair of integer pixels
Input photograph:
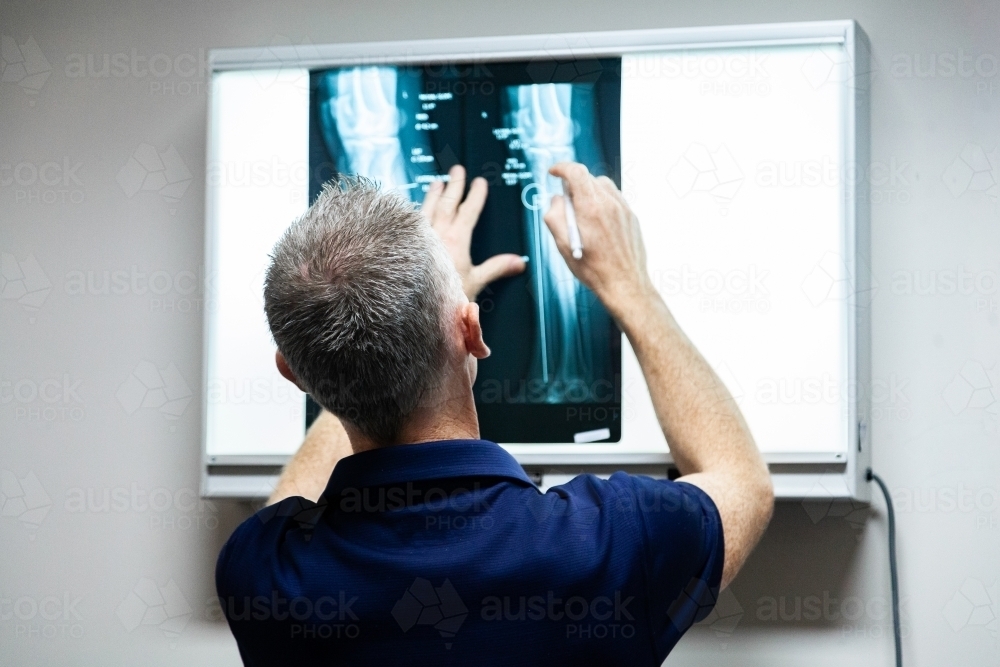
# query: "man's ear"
{"type": "Point", "coordinates": [472, 331]}
{"type": "Point", "coordinates": [285, 371]}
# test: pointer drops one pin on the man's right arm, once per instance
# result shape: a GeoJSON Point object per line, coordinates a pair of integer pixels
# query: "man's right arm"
{"type": "Point", "coordinates": [709, 439]}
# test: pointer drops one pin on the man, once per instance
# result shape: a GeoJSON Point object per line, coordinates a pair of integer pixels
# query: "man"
{"type": "Point", "coordinates": [428, 546]}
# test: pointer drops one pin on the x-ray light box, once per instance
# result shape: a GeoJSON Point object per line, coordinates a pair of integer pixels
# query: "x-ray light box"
{"type": "Point", "coordinates": [737, 147]}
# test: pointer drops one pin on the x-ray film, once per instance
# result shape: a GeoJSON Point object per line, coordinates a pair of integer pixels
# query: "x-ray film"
{"type": "Point", "coordinates": [555, 371]}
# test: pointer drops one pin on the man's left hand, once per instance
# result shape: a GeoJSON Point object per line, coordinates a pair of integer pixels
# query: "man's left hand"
{"type": "Point", "coordinates": [454, 220]}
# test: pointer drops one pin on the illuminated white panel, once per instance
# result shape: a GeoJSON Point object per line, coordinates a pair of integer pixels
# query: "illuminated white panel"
{"type": "Point", "coordinates": [257, 182]}
{"type": "Point", "coordinates": [733, 162]}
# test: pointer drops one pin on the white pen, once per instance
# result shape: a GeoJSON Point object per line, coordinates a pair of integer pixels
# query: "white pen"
{"type": "Point", "coordinates": [575, 242]}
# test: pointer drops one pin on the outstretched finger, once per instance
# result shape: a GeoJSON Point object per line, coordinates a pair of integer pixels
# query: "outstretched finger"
{"type": "Point", "coordinates": [555, 220]}
{"type": "Point", "coordinates": [469, 210]}
{"type": "Point", "coordinates": [431, 200]}
{"type": "Point", "coordinates": [452, 194]}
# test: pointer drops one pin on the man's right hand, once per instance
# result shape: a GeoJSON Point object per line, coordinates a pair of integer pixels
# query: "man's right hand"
{"type": "Point", "coordinates": [709, 439]}
{"type": "Point", "coordinates": [613, 265]}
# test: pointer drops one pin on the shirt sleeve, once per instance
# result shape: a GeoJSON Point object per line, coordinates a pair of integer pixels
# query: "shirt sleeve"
{"type": "Point", "coordinates": [683, 551]}
{"type": "Point", "coordinates": [248, 560]}
{"type": "Point", "coordinates": [257, 539]}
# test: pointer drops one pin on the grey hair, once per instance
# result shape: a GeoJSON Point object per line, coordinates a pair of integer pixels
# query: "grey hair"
{"type": "Point", "coordinates": [356, 296]}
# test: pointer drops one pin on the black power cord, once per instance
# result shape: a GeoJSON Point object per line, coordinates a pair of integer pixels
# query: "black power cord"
{"type": "Point", "coordinates": [897, 635]}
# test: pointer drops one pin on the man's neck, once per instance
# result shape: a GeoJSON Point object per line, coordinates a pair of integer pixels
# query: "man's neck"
{"type": "Point", "coordinates": [454, 419]}
{"type": "Point", "coordinates": [440, 427]}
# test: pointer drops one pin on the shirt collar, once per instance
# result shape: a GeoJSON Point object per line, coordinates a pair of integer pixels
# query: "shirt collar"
{"type": "Point", "coordinates": [440, 459]}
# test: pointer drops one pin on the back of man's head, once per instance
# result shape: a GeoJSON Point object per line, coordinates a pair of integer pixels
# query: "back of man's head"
{"type": "Point", "coordinates": [358, 296]}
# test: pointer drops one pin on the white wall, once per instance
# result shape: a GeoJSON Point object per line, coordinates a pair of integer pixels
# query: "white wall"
{"type": "Point", "coordinates": [67, 568]}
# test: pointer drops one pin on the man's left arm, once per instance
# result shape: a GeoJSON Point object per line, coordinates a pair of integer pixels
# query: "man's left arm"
{"type": "Point", "coordinates": [309, 470]}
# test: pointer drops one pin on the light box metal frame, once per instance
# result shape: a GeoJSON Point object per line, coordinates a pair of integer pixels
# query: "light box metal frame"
{"type": "Point", "coordinates": [796, 475]}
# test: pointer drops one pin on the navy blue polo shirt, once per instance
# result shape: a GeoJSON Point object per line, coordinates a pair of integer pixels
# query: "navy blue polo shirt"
{"type": "Point", "coordinates": [445, 553]}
